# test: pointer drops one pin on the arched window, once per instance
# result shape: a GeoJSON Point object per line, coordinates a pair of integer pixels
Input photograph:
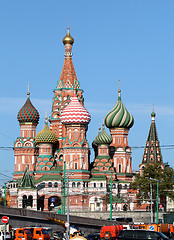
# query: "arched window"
{"type": "Point", "coordinates": [75, 134]}
{"type": "Point", "coordinates": [40, 186]}
{"type": "Point", "coordinates": [125, 186]}
{"type": "Point", "coordinates": [50, 184]}
{"type": "Point", "coordinates": [55, 184]}
{"type": "Point", "coordinates": [114, 186]}
{"type": "Point", "coordinates": [30, 201]}
{"type": "Point", "coordinates": [78, 184]}
{"type": "Point", "coordinates": [24, 201]}
{"type": "Point", "coordinates": [101, 185]}
{"type": "Point", "coordinates": [73, 185]}
{"type": "Point", "coordinates": [95, 185]}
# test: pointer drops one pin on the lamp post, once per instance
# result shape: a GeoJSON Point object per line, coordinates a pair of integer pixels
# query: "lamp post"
{"type": "Point", "coordinates": [67, 186]}
{"type": "Point", "coordinates": [5, 195]}
{"type": "Point", "coordinates": [111, 199]}
{"type": "Point", "coordinates": [157, 195]}
{"type": "Point", "coordinates": [64, 187]}
{"type": "Point", "coordinates": [151, 212]}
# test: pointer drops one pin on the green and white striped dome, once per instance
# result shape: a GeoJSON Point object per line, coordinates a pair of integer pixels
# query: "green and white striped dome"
{"type": "Point", "coordinates": [103, 138]}
{"type": "Point", "coordinates": [119, 117]}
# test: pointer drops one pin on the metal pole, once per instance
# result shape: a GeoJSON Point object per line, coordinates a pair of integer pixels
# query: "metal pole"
{"type": "Point", "coordinates": [151, 210]}
{"type": "Point", "coordinates": [157, 203]}
{"type": "Point", "coordinates": [111, 199]}
{"type": "Point", "coordinates": [68, 228]}
{"type": "Point", "coordinates": [64, 187]}
{"type": "Point", "coordinates": [5, 192]}
{"type": "Point", "coordinates": [5, 232]}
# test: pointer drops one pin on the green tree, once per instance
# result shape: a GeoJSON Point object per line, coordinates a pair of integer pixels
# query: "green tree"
{"type": "Point", "coordinates": [165, 179]}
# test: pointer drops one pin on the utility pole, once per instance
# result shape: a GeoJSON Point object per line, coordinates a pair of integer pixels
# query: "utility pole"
{"type": "Point", "coordinates": [157, 203]}
{"type": "Point", "coordinates": [64, 187]}
{"type": "Point", "coordinates": [111, 199]}
{"type": "Point", "coordinates": [68, 228]}
{"type": "Point", "coordinates": [5, 195]}
{"type": "Point", "coordinates": [151, 210]}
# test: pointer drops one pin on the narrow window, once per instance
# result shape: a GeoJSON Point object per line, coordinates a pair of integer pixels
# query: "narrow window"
{"type": "Point", "coordinates": [119, 168]}
{"type": "Point", "coordinates": [119, 140]}
{"type": "Point", "coordinates": [75, 165]}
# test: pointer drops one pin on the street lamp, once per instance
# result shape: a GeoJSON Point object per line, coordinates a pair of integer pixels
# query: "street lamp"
{"type": "Point", "coordinates": [67, 186]}
{"type": "Point", "coordinates": [111, 199]}
{"type": "Point", "coordinates": [157, 195]}
{"type": "Point", "coordinates": [151, 212]}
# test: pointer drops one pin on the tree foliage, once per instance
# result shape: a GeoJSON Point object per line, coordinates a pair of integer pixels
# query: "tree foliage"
{"type": "Point", "coordinates": [165, 179]}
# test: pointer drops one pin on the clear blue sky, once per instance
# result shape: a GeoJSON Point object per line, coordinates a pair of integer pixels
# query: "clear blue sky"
{"type": "Point", "coordinates": [131, 40]}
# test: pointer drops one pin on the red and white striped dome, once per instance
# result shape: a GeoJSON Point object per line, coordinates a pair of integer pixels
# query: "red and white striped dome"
{"type": "Point", "coordinates": [75, 112]}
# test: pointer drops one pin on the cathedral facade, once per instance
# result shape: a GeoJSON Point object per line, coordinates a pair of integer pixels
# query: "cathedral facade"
{"type": "Point", "coordinates": [56, 161]}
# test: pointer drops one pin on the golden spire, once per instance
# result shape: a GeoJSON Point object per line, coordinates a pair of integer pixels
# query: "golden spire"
{"type": "Point", "coordinates": [28, 93]}
{"type": "Point", "coordinates": [119, 91]}
{"type": "Point", "coordinates": [68, 39]}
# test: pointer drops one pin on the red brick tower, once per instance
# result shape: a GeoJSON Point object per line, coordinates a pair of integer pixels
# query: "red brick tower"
{"type": "Point", "coordinates": [76, 118]}
{"type": "Point", "coordinates": [24, 148]}
{"type": "Point", "coordinates": [64, 92]}
{"type": "Point", "coordinates": [119, 121]}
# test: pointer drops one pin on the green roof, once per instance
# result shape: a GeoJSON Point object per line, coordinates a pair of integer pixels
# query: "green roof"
{"type": "Point", "coordinates": [27, 181]}
{"type": "Point", "coordinates": [49, 177]}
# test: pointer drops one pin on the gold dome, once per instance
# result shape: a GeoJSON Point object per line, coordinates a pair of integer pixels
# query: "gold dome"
{"type": "Point", "coordinates": [68, 39]}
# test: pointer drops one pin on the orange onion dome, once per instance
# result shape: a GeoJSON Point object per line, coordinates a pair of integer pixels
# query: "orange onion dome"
{"type": "Point", "coordinates": [28, 112]}
{"type": "Point", "coordinates": [75, 112]}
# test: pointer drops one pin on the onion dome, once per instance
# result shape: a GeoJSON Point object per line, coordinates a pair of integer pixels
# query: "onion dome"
{"type": "Point", "coordinates": [28, 112]}
{"type": "Point", "coordinates": [103, 138]}
{"type": "Point", "coordinates": [119, 117]}
{"type": "Point", "coordinates": [46, 135]}
{"type": "Point", "coordinates": [68, 39]}
{"type": "Point", "coordinates": [153, 114]}
{"type": "Point", "coordinates": [75, 112]}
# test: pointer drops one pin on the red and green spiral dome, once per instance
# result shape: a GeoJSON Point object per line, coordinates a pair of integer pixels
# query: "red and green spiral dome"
{"type": "Point", "coordinates": [28, 113]}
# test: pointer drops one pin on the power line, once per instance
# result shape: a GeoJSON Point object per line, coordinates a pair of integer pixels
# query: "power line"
{"type": "Point", "coordinates": [6, 135]}
{"type": "Point", "coordinates": [5, 175]}
{"type": "Point", "coordinates": [170, 146]}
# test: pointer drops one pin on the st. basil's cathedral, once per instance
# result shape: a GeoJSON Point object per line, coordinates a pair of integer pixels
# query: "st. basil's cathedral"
{"type": "Point", "coordinates": [44, 161]}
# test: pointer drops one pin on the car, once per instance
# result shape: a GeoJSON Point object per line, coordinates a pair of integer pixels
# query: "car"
{"type": "Point", "coordinates": [140, 234]}
{"type": "Point", "coordinates": [95, 236]}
